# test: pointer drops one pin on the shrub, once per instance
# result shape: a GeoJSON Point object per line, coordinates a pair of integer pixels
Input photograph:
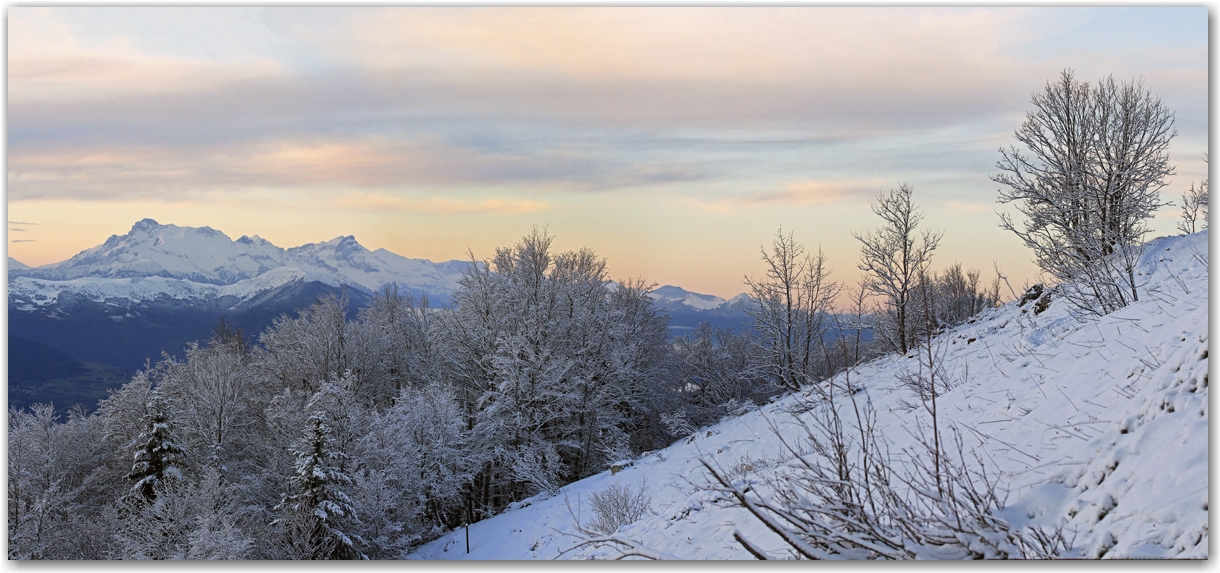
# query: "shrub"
{"type": "Point", "coordinates": [617, 505]}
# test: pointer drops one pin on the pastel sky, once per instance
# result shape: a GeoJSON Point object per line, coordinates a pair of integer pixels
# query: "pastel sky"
{"type": "Point", "coordinates": [672, 141]}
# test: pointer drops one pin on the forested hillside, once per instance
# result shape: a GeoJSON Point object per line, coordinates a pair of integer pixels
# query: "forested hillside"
{"type": "Point", "coordinates": [1057, 438]}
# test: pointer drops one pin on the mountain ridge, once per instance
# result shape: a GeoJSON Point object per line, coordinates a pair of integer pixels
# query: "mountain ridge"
{"type": "Point", "coordinates": [205, 265]}
{"type": "Point", "coordinates": [205, 256]}
{"type": "Point", "coordinates": [159, 286]}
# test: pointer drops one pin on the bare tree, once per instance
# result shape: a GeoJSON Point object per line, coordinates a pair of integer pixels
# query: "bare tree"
{"type": "Point", "coordinates": [1194, 206]}
{"type": "Point", "coordinates": [1095, 160]}
{"type": "Point", "coordinates": [894, 256]}
{"type": "Point", "coordinates": [791, 310]}
{"type": "Point", "coordinates": [959, 295]}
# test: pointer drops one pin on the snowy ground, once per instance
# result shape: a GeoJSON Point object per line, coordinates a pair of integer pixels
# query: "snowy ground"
{"type": "Point", "coordinates": [1098, 426]}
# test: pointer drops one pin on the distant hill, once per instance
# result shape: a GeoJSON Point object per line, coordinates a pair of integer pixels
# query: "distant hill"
{"type": "Point", "coordinates": [39, 373]}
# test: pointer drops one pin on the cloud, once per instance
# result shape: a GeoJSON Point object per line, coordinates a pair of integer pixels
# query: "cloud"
{"type": "Point", "coordinates": [439, 205]}
{"type": "Point", "coordinates": [16, 229]}
{"type": "Point", "coordinates": [50, 60]}
{"type": "Point", "coordinates": [693, 66]}
{"type": "Point", "coordinates": [798, 193]}
{"type": "Point", "coordinates": [20, 223]}
{"type": "Point", "coordinates": [639, 67]}
{"type": "Point", "coordinates": [105, 172]}
{"type": "Point", "coordinates": [628, 67]}
{"type": "Point", "coordinates": [553, 99]}
{"type": "Point", "coordinates": [812, 192]}
{"type": "Point", "coordinates": [22, 241]}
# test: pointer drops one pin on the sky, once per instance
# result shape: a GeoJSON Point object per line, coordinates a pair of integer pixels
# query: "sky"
{"type": "Point", "coordinates": [674, 142]}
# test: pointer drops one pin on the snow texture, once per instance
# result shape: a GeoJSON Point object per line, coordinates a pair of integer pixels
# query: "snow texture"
{"type": "Point", "coordinates": [1098, 426]}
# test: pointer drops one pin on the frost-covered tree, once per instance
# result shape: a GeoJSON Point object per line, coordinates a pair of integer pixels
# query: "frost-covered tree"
{"type": "Point", "coordinates": [316, 514]}
{"type": "Point", "coordinates": [393, 345]}
{"type": "Point", "coordinates": [1194, 206]}
{"type": "Point", "coordinates": [553, 365]}
{"type": "Point", "coordinates": [1087, 180]}
{"type": "Point", "coordinates": [306, 351]}
{"type": "Point", "coordinates": [957, 295]}
{"type": "Point", "coordinates": [218, 400]}
{"type": "Point", "coordinates": [217, 515]}
{"type": "Point", "coordinates": [409, 470]}
{"type": "Point", "coordinates": [791, 308]}
{"type": "Point", "coordinates": [57, 487]}
{"type": "Point", "coordinates": [893, 258]}
{"type": "Point", "coordinates": [625, 369]}
{"type": "Point", "coordinates": [187, 520]}
{"type": "Point", "coordinates": [156, 451]}
{"type": "Point", "coordinates": [718, 376]}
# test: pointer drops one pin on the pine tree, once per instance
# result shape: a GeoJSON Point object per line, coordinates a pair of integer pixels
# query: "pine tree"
{"type": "Point", "coordinates": [156, 450]}
{"type": "Point", "coordinates": [314, 515]}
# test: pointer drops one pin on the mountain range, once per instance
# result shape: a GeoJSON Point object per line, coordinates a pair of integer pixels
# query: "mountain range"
{"type": "Point", "coordinates": [157, 287]}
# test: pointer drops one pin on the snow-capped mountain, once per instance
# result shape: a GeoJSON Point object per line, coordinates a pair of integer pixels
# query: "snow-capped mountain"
{"type": "Point", "coordinates": [1098, 428]}
{"type": "Point", "coordinates": [669, 295]}
{"type": "Point", "coordinates": [689, 309]}
{"type": "Point", "coordinates": [201, 262]}
{"type": "Point", "coordinates": [16, 264]}
{"type": "Point", "coordinates": [158, 287]}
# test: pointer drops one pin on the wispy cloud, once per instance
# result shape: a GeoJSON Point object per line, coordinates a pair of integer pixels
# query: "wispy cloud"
{"type": "Point", "coordinates": [797, 193]}
{"type": "Point", "coordinates": [439, 205]}
{"type": "Point", "coordinates": [22, 241]}
{"type": "Point", "coordinates": [106, 172]}
{"type": "Point", "coordinates": [811, 192]}
{"type": "Point", "coordinates": [21, 223]}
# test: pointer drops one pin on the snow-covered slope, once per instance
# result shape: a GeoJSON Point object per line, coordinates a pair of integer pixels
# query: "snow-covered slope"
{"type": "Point", "coordinates": [154, 260]}
{"type": "Point", "coordinates": [1099, 427]}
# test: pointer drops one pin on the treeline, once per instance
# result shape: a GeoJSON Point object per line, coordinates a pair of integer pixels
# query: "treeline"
{"type": "Point", "coordinates": [338, 438]}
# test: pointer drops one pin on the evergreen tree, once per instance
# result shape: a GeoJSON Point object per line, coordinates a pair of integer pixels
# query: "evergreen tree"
{"type": "Point", "coordinates": [156, 450]}
{"type": "Point", "coordinates": [315, 514]}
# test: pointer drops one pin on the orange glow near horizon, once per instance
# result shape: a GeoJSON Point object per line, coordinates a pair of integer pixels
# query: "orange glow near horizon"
{"type": "Point", "coordinates": [672, 141]}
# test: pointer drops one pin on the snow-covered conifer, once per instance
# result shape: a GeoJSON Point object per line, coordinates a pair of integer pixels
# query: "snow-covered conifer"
{"type": "Point", "coordinates": [156, 450]}
{"type": "Point", "coordinates": [315, 514]}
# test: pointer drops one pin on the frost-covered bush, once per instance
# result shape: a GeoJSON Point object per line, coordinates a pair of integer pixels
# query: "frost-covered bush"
{"type": "Point", "coordinates": [617, 505]}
